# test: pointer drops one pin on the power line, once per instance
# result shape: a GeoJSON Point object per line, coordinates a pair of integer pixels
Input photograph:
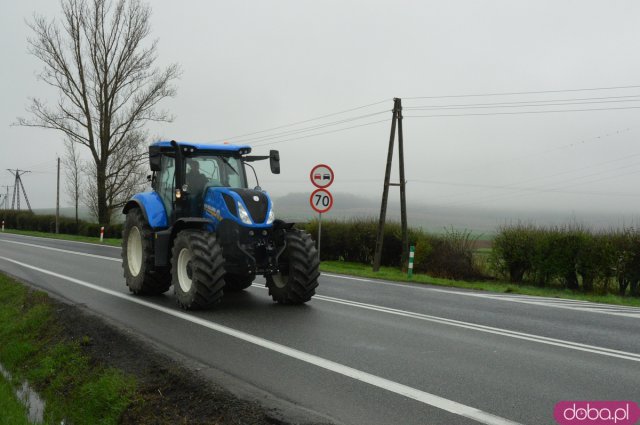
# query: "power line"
{"type": "Point", "coordinates": [517, 186]}
{"type": "Point", "coordinates": [320, 134]}
{"type": "Point", "coordinates": [517, 192]}
{"type": "Point", "coordinates": [306, 129]}
{"type": "Point", "coordinates": [522, 92]}
{"type": "Point", "coordinates": [524, 101]}
{"type": "Point", "coordinates": [557, 190]}
{"type": "Point", "coordinates": [519, 105]}
{"type": "Point", "coordinates": [301, 122]}
{"type": "Point", "coordinates": [474, 114]}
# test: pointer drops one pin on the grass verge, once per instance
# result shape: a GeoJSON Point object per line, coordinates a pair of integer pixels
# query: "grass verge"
{"type": "Point", "coordinates": [34, 348]}
{"type": "Point", "coordinates": [77, 238]}
{"type": "Point", "coordinates": [390, 273]}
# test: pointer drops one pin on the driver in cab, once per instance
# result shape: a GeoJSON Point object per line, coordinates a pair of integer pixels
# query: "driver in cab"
{"type": "Point", "coordinates": [196, 182]}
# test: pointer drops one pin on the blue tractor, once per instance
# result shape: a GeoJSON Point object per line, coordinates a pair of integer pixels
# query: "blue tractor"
{"type": "Point", "coordinates": [204, 231]}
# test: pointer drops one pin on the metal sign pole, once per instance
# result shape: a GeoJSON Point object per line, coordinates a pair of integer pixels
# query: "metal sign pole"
{"type": "Point", "coordinates": [319, 233]}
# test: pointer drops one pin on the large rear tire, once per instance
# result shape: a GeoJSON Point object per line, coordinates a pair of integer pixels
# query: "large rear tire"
{"type": "Point", "coordinates": [138, 262]}
{"type": "Point", "coordinates": [197, 269]}
{"type": "Point", "coordinates": [237, 282]}
{"type": "Point", "coordinates": [297, 279]}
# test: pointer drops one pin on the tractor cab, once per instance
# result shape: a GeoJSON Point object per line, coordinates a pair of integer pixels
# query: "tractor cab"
{"type": "Point", "coordinates": [185, 174]}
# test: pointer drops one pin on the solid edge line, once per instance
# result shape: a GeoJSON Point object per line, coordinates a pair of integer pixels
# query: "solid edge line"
{"type": "Point", "coordinates": [531, 300]}
{"type": "Point", "coordinates": [62, 240]}
{"type": "Point", "coordinates": [404, 390]}
{"type": "Point", "coordinates": [50, 248]}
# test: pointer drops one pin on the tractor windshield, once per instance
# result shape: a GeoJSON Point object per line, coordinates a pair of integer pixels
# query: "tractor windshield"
{"type": "Point", "coordinates": [215, 170]}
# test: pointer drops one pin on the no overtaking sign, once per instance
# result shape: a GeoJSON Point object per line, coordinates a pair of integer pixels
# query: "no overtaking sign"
{"type": "Point", "coordinates": [321, 176]}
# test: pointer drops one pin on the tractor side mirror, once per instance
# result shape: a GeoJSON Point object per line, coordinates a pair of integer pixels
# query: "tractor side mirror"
{"type": "Point", "coordinates": [274, 161]}
{"type": "Point", "coordinates": [155, 158]}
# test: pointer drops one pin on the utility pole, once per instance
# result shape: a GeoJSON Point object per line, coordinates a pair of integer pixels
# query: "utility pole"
{"type": "Point", "coordinates": [16, 189]}
{"type": "Point", "coordinates": [395, 121]}
{"type": "Point", "coordinates": [58, 200]}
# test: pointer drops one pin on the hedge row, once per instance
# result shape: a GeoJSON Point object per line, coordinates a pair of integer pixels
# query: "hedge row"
{"type": "Point", "coordinates": [24, 220]}
{"type": "Point", "coordinates": [572, 256]}
{"type": "Point", "coordinates": [448, 255]}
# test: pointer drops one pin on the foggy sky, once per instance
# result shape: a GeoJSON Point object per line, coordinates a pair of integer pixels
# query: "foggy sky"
{"type": "Point", "coordinates": [248, 66]}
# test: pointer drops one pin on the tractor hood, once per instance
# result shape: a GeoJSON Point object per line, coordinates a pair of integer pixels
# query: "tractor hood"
{"type": "Point", "coordinates": [247, 207]}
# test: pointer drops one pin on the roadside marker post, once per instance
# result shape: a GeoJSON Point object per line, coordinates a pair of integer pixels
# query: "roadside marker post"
{"type": "Point", "coordinates": [412, 251]}
{"type": "Point", "coordinates": [3, 225]}
{"type": "Point", "coordinates": [101, 234]}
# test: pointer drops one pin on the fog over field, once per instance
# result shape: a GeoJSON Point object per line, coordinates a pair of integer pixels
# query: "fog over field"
{"type": "Point", "coordinates": [295, 207]}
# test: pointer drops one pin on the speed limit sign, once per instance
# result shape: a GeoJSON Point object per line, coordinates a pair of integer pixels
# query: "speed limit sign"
{"type": "Point", "coordinates": [321, 200]}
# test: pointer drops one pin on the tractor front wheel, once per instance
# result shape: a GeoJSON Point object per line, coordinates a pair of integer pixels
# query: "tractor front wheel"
{"type": "Point", "coordinates": [197, 270]}
{"type": "Point", "coordinates": [141, 275]}
{"type": "Point", "coordinates": [297, 279]}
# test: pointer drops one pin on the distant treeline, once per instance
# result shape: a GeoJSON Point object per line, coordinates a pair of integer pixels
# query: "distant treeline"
{"type": "Point", "coordinates": [571, 255]}
{"type": "Point", "coordinates": [24, 220]}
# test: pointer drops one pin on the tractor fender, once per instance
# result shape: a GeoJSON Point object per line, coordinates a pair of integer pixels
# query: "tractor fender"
{"type": "Point", "coordinates": [152, 208]}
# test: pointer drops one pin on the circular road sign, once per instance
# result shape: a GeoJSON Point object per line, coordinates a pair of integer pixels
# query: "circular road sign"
{"type": "Point", "coordinates": [321, 200]}
{"type": "Point", "coordinates": [321, 176]}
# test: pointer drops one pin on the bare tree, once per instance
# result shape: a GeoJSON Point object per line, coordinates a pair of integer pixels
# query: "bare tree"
{"type": "Point", "coordinates": [102, 66]}
{"type": "Point", "coordinates": [73, 172]}
{"type": "Point", "coordinates": [125, 174]}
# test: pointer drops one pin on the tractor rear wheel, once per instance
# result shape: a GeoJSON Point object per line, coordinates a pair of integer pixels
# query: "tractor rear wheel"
{"type": "Point", "coordinates": [141, 275]}
{"type": "Point", "coordinates": [238, 282]}
{"type": "Point", "coordinates": [197, 270]}
{"type": "Point", "coordinates": [297, 279]}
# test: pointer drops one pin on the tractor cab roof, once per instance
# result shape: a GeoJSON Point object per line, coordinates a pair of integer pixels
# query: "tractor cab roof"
{"type": "Point", "coordinates": [205, 148]}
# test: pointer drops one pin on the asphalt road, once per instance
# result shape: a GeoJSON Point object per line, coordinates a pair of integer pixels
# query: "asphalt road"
{"type": "Point", "coordinates": [365, 352]}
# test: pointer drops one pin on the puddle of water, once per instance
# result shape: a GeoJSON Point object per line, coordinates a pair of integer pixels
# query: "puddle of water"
{"type": "Point", "coordinates": [28, 397]}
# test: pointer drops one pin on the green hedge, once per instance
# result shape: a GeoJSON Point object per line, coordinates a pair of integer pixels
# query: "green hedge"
{"type": "Point", "coordinates": [572, 256]}
{"type": "Point", "coordinates": [24, 220]}
{"type": "Point", "coordinates": [448, 255]}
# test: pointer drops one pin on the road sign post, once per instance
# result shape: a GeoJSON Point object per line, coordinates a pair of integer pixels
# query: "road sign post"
{"type": "Point", "coordinates": [321, 200]}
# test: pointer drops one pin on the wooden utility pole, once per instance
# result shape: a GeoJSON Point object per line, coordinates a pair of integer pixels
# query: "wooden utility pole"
{"type": "Point", "coordinates": [58, 200]}
{"type": "Point", "coordinates": [395, 121]}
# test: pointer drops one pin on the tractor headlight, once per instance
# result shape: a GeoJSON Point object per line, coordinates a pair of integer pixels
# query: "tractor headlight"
{"type": "Point", "coordinates": [243, 214]}
{"type": "Point", "coordinates": [271, 216]}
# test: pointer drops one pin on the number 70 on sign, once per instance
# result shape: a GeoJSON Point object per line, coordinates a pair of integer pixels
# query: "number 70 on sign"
{"type": "Point", "coordinates": [321, 200]}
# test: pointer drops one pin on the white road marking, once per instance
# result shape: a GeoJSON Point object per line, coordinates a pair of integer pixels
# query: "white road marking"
{"type": "Point", "coordinates": [63, 240]}
{"type": "Point", "coordinates": [385, 384]}
{"type": "Point", "coordinates": [577, 305]}
{"type": "Point", "coordinates": [66, 251]}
